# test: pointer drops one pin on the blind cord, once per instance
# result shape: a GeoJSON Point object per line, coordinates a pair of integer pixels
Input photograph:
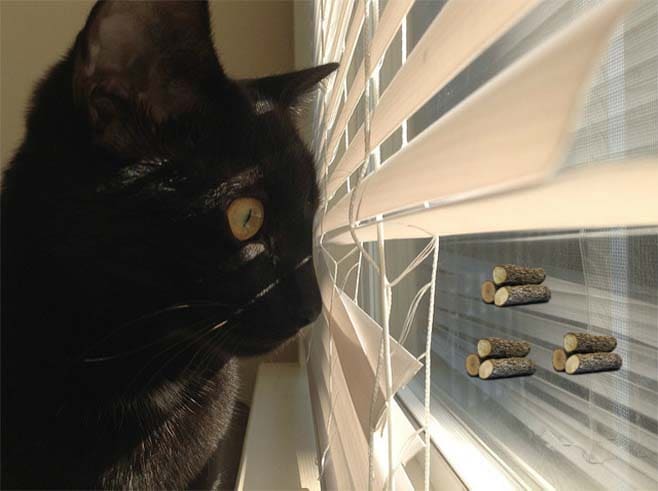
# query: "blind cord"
{"type": "Point", "coordinates": [428, 360]}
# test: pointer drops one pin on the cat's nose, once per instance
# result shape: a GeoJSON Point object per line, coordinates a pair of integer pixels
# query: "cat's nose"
{"type": "Point", "coordinates": [306, 303]}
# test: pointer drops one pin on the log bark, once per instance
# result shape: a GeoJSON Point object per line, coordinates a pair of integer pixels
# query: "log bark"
{"type": "Point", "coordinates": [488, 291]}
{"type": "Point", "coordinates": [593, 362]}
{"type": "Point", "coordinates": [506, 367]}
{"type": "Point", "coordinates": [559, 359]}
{"type": "Point", "coordinates": [511, 274]}
{"type": "Point", "coordinates": [502, 348]}
{"type": "Point", "coordinates": [581, 342]}
{"type": "Point", "coordinates": [522, 295]}
{"type": "Point", "coordinates": [473, 365]}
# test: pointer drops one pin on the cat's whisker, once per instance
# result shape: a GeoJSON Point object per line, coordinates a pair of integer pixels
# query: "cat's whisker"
{"type": "Point", "coordinates": [186, 343]}
{"type": "Point", "coordinates": [265, 291]}
{"type": "Point", "coordinates": [191, 305]}
{"type": "Point", "coordinates": [221, 324]}
{"type": "Point", "coordinates": [303, 261]}
{"type": "Point", "coordinates": [172, 308]}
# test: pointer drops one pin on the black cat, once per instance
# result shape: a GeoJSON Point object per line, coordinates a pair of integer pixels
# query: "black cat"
{"type": "Point", "coordinates": [156, 223]}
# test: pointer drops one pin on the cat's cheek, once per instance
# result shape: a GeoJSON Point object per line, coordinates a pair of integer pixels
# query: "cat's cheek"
{"type": "Point", "coordinates": [251, 251]}
{"type": "Point", "coordinates": [246, 255]}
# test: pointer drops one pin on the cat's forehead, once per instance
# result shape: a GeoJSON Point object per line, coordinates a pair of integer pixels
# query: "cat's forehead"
{"type": "Point", "coordinates": [248, 177]}
{"type": "Point", "coordinates": [232, 185]}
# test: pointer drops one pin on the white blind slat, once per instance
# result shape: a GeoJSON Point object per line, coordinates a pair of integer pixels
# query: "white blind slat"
{"type": "Point", "coordinates": [343, 118]}
{"type": "Point", "coordinates": [387, 27]}
{"type": "Point", "coordinates": [349, 447]}
{"type": "Point", "coordinates": [353, 156]}
{"type": "Point", "coordinates": [594, 196]}
{"type": "Point", "coordinates": [346, 58]}
{"type": "Point", "coordinates": [357, 338]}
{"type": "Point", "coordinates": [512, 132]}
{"type": "Point", "coordinates": [349, 444]}
{"type": "Point", "coordinates": [342, 25]}
{"type": "Point", "coordinates": [443, 51]}
{"type": "Point", "coordinates": [406, 444]}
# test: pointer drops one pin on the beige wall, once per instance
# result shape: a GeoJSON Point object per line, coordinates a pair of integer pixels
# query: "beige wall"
{"type": "Point", "coordinates": [253, 37]}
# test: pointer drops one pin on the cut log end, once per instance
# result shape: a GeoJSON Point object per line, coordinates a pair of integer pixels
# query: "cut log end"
{"type": "Point", "coordinates": [486, 369]}
{"type": "Point", "coordinates": [488, 291]}
{"type": "Point", "coordinates": [484, 348]}
{"type": "Point", "coordinates": [499, 275]}
{"type": "Point", "coordinates": [572, 365]}
{"type": "Point", "coordinates": [502, 297]}
{"type": "Point", "coordinates": [570, 342]}
{"type": "Point", "coordinates": [593, 362]}
{"type": "Point", "coordinates": [473, 365]}
{"type": "Point", "coordinates": [559, 359]}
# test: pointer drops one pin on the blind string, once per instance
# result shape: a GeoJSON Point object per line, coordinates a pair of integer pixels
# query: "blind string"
{"type": "Point", "coordinates": [411, 313]}
{"type": "Point", "coordinates": [385, 348]}
{"type": "Point", "coordinates": [358, 278]}
{"type": "Point", "coordinates": [427, 250]}
{"type": "Point", "coordinates": [431, 247]}
{"type": "Point", "coordinates": [428, 360]}
{"type": "Point", "coordinates": [385, 286]}
{"type": "Point", "coordinates": [404, 448]}
{"type": "Point", "coordinates": [333, 395]}
{"type": "Point", "coordinates": [403, 60]}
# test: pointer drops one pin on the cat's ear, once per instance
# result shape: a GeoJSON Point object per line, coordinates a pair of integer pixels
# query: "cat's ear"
{"type": "Point", "coordinates": [150, 59]}
{"type": "Point", "coordinates": [287, 89]}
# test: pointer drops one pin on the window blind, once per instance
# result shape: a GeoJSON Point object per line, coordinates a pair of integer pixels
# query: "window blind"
{"type": "Point", "coordinates": [502, 156]}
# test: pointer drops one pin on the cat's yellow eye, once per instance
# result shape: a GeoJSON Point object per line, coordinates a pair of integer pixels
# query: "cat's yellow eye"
{"type": "Point", "coordinates": [245, 217]}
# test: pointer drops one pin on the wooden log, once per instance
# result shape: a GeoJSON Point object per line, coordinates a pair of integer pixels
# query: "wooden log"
{"type": "Point", "coordinates": [511, 274]}
{"type": "Point", "coordinates": [593, 362]}
{"type": "Point", "coordinates": [559, 359]}
{"type": "Point", "coordinates": [582, 342]}
{"type": "Point", "coordinates": [488, 291]}
{"type": "Point", "coordinates": [522, 295]}
{"type": "Point", "coordinates": [473, 365]}
{"type": "Point", "coordinates": [502, 348]}
{"type": "Point", "coordinates": [506, 367]}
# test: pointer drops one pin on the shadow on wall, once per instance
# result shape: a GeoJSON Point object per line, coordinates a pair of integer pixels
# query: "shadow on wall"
{"type": "Point", "coordinates": [254, 38]}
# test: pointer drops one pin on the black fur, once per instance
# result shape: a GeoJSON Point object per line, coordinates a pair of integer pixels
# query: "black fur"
{"type": "Point", "coordinates": [125, 297]}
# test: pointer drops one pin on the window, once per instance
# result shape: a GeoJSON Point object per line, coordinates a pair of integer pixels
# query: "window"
{"type": "Point", "coordinates": [548, 430]}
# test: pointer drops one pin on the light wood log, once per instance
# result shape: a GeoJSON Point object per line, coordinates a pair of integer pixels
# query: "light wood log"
{"type": "Point", "coordinates": [473, 365]}
{"type": "Point", "coordinates": [593, 362]}
{"type": "Point", "coordinates": [502, 348]}
{"type": "Point", "coordinates": [522, 295]}
{"type": "Point", "coordinates": [511, 274]}
{"type": "Point", "coordinates": [559, 359]}
{"type": "Point", "coordinates": [488, 291]}
{"type": "Point", "coordinates": [506, 367]}
{"type": "Point", "coordinates": [582, 342]}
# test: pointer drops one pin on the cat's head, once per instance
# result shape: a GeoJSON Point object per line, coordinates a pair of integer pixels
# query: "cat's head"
{"type": "Point", "coordinates": [206, 194]}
